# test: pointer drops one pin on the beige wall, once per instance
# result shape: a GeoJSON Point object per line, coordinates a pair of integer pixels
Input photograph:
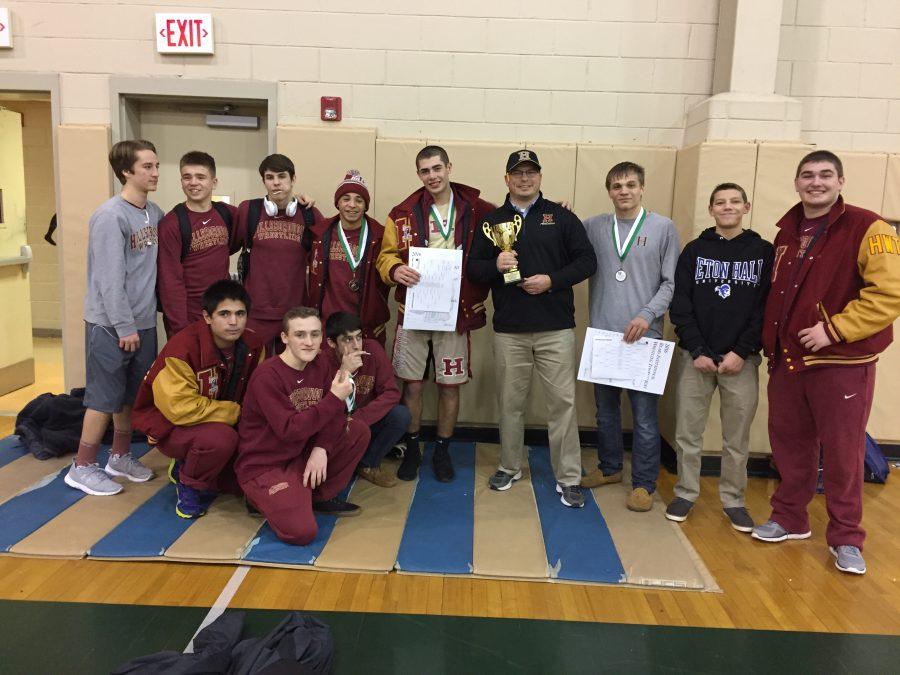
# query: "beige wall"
{"type": "Point", "coordinates": [841, 59]}
{"type": "Point", "coordinates": [40, 202]}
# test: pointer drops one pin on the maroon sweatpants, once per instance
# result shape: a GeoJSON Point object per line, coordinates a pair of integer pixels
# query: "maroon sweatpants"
{"type": "Point", "coordinates": [269, 331]}
{"type": "Point", "coordinates": [206, 450]}
{"type": "Point", "coordinates": [828, 405]}
{"type": "Point", "coordinates": [280, 496]}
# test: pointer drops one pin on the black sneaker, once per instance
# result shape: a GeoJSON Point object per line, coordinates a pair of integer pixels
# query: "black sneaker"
{"type": "Point", "coordinates": [740, 519]}
{"type": "Point", "coordinates": [336, 507]}
{"type": "Point", "coordinates": [570, 495]}
{"type": "Point", "coordinates": [409, 467]}
{"type": "Point", "coordinates": [679, 509]}
{"type": "Point", "coordinates": [397, 451]}
{"type": "Point", "coordinates": [442, 464]}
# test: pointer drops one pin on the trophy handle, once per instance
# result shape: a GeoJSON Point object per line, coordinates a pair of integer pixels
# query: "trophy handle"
{"type": "Point", "coordinates": [518, 223]}
{"type": "Point", "coordinates": [486, 228]}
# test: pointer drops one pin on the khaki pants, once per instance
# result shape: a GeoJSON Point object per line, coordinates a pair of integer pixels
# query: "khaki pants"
{"type": "Point", "coordinates": [739, 396]}
{"type": "Point", "coordinates": [552, 353]}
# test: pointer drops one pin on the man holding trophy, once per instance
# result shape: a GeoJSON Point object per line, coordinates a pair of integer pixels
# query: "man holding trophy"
{"type": "Point", "coordinates": [532, 252]}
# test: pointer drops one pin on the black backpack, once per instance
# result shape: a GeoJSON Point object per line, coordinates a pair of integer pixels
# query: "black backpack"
{"type": "Point", "coordinates": [254, 211]}
{"type": "Point", "coordinates": [184, 224]}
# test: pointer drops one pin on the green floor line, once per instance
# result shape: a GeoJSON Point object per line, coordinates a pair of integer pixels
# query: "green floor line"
{"type": "Point", "coordinates": [91, 638]}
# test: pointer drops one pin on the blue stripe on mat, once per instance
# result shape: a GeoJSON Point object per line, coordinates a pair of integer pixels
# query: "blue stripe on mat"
{"type": "Point", "coordinates": [26, 512]}
{"type": "Point", "coordinates": [147, 532]}
{"type": "Point", "coordinates": [578, 544]}
{"type": "Point", "coordinates": [439, 531]}
{"type": "Point", "coordinates": [268, 548]}
{"type": "Point", "coordinates": [11, 448]}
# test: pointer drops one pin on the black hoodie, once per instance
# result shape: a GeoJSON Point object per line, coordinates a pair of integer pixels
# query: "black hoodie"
{"type": "Point", "coordinates": [720, 294]}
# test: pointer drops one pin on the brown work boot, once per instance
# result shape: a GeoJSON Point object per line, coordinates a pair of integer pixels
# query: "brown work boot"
{"type": "Point", "coordinates": [376, 475]}
{"type": "Point", "coordinates": [596, 478]}
{"type": "Point", "coordinates": [639, 500]}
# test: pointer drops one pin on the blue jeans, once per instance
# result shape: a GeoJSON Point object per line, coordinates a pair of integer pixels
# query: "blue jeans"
{"type": "Point", "coordinates": [385, 433]}
{"type": "Point", "coordinates": [645, 446]}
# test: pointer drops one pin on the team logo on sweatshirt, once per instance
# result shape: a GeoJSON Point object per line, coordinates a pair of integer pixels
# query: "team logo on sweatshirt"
{"type": "Point", "coordinates": [723, 291]}
{"type": "Point", "coordinates": [548, 219]}
{"type": "Point", "coordinates": [728, 272]}
{"type": "Point", "coordinates": [306, 397]}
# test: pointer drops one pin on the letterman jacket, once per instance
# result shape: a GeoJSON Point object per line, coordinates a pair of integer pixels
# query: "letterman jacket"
{"type": "Point", "coordinates": [849, 280]}
{"type": "Point", "coordinates": [407, 225]}
{"type": "Point", "coordinates": [186, 384]}
{"type": "Point", "coordinates": [373, 306]}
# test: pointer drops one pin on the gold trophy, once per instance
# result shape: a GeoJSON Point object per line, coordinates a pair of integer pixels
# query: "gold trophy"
{"type": "Point", "coordinates": [504, 237]}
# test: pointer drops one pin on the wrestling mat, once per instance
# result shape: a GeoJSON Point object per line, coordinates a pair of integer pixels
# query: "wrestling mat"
{"type": "Point", "coordinates": [421, 527]}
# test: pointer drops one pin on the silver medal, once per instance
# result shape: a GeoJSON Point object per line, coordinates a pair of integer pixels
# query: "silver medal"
{"type": "Point", "coordinates": [620, 275]}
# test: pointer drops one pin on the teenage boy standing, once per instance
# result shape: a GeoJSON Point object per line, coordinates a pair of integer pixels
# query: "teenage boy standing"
{"type": "Point", "coordinates": [120, 318]}
{"type": "Point", "coordinates": [194, 244]}
{"type": "Point", "coordinates": [721, 284]}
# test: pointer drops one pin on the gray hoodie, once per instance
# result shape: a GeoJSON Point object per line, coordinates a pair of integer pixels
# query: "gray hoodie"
{"type": "Point", "coordinates": [121, 266]}
{"type": "Point", "coordinates": [649, 267]}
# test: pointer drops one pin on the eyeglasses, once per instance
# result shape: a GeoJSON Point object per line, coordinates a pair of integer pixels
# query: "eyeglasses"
{"type": "Point", "coordinates": [526, 173]}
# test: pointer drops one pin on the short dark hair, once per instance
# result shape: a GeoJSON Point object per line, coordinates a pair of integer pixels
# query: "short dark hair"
{"type": "Point", "coordinates": [727, 186]}
{"type": "Point", "coordinates": [297, 313]}
{"type": "Point", "coordinates": [224, 289]}
{"type": "Point", "coordinates": [198, 158]}
{"type": "Point", "coordinates": [276, 163]}
{"type": "Point", "coordinates": [432, 151]}
{"type": "Point", "coordinates": [123, 155]}
{"type": "Point", "coordinates": [622, 169]}
{"type": "Point", "coordinates": [341, 322]}
{"type": "Point", "coordinates": [822, 156]}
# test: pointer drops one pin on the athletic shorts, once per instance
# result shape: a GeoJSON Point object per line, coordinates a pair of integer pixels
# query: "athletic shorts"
{"type": "Point", "coordinates": [114, 375]}
{"type": "Point", "coordinates": [450, 352]}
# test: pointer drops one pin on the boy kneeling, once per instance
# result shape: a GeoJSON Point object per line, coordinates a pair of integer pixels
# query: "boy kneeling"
{"type": "Point", "coordinates": [298, 445]}
{"type": "Point", "coordinates": [190, 400]}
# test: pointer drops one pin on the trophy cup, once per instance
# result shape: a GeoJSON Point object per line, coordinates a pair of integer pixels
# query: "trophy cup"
{"type": "Point", "coordinates": [504, 236]}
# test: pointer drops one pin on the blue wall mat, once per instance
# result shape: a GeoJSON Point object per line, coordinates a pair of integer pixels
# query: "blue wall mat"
{"type": "Point", "coordinates": [577, 541]}
{"type": "Point", "coordinates": [25, 513]}
{"type": "Point", "coordinates": [440, 526]}
{"type": "Point", "coordinates": [11, 448]}
{"type": "Point", "coordinates": [147, 532]}
{"type": "Point", "coordinates": [266, 547]}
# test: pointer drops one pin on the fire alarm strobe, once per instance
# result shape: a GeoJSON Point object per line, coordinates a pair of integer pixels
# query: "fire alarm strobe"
{"type": "Point", "coordinates": [331, 108]}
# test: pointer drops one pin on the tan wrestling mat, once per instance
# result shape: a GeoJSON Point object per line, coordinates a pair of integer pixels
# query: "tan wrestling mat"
{"type": "Point", "coordinates": [221, 536]}
{"type": "Point", "coordinates": [508, 542]}
{"type": "Point", "coordinates": [25, 472]}
{"type": "Point", "coordinates": [653, 550]}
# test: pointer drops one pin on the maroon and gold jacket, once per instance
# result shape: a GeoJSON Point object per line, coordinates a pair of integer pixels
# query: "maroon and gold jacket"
{"type": "Point", "coordinates": [188, 383]}
{"type": "Point", "coordinates": [849, 280]}
{"type": "Point", "coordinates": [407, 225]}
{"type": "Point", "coordinates": [373, 293]}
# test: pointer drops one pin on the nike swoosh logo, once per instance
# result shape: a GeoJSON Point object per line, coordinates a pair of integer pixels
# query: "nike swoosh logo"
{"type": "Point", "coordinates": [850, 396]}
{"type": "Point", "coordinates": [206, 221]}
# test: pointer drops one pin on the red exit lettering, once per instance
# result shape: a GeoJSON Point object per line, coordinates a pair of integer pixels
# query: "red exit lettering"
{"type": "Point", "coordinates": [184, 32]}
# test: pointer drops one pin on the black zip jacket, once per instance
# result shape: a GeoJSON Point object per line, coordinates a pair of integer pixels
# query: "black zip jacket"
{"type": "Point", "coordinates": [553, 242]}
{"type": "Point", "coordinates": [720, 294]}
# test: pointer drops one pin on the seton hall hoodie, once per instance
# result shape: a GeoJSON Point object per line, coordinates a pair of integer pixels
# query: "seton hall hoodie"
{"type": "Point", "coordinates": [720, 294]}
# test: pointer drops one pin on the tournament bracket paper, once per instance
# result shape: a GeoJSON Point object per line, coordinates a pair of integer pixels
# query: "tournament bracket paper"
{"type": "Point", "coordinates": [432, 303]}
{"type": "Point", "coordinates": [607, 359]}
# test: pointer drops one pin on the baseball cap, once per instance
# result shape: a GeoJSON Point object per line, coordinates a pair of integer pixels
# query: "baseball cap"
{"type": "Point", "coordinates": [520, 157]}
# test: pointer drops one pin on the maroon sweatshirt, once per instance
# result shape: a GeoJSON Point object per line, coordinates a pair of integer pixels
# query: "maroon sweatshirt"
{"type": "Point", "coordinates": [376, 388]}
{"type": "Point", "coordinates": [277, 279]}
{"type": "Point", "coordinates": [284, 412]}
{"type": "Point", "coordinates": [181, 284]}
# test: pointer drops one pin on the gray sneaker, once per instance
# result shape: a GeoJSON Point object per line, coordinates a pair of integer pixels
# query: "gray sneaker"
{"type": "Point", "coordinates": [128, 467]}
{"type": "Point", "coordinates": [570, 495]}
{"type": "Point", "coordinates": [848, 559]}
{"type": "Point", "coordinates": [740, 518]}
{"type": "Point", "coordinates": [679, 509]}
{"type": "Point", "coordinates": [773, 532]}
{"type": "Point", "coordinates": [502, 480]}
{"type": "Point", "coordinates": [92, 480]}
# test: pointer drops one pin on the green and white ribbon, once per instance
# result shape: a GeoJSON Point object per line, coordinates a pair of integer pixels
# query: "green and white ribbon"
{"type": "Point", "coordinates": [451, 218]}
{"type": "Point", "coordinates": [623, 248]}
{"type": "Point", "coordinates": [352, 260]}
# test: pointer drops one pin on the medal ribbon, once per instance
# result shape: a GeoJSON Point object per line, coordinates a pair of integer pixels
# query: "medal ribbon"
{"type": "Point", "coordinates": [451, 218]}
{"type": "Point", "coordinates": [351, 399]}
{"type": "Point", "coordinates": [352, 260]}
{"type": "Point", "coordinates": [632, 234]}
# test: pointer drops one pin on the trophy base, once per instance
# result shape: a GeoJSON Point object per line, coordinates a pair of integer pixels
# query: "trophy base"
{"type": "Point", "coordinates": [512, 277]}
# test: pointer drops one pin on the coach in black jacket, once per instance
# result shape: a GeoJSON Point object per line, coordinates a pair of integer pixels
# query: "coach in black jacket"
{"type": "Point", "coordinates": [534, 320]}
{"type": "Point", "coordinates": [721, 284]}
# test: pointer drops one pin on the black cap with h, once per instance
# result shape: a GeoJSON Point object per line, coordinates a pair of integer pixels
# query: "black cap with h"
{"type": "Point", "coordinates": [520, 157]}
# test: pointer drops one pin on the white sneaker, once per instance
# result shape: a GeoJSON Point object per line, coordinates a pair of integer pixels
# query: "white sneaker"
{"type": "Point", "coordinates": [92, 480]}
{"type": "Point", "coordinates": [128, 467]}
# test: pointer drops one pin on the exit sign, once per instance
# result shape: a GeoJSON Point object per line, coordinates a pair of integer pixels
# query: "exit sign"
{"type": "Point", "coordinates": [5, 29]}
{"type": "Point", "coordinates": [184, 33]}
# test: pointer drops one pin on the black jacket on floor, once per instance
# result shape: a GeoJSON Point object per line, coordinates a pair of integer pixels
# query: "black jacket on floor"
{"type": "Point", "coordinates": [720, 294]}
